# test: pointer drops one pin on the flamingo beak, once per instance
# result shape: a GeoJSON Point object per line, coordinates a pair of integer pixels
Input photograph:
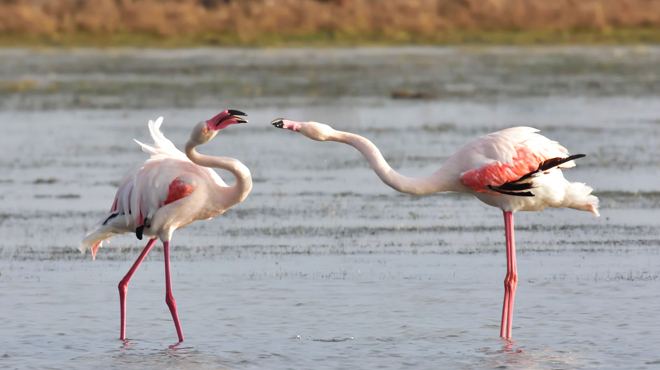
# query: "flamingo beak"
{"type": "Point", "coordinates": [234, 114]}
{"type": "Point", "coordinates": [287, 124]}
{"type": "Point", "coordinates": [225, 118]}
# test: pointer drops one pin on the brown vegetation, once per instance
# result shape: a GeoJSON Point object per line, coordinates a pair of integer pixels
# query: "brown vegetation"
{"type": "Point", "coordinates": [252, 21]}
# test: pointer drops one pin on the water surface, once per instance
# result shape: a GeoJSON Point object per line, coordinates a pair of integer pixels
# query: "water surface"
{"type": "Point", "coordinates": [322, 265]}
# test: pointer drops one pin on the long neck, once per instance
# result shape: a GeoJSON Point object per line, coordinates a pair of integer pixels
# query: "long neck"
{"type": "Point", "coordinates": [226, 197]}
{"type": "Point", "coordinates": [434, 183]}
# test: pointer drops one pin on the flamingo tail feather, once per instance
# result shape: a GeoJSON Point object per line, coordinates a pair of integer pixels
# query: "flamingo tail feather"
{"type": "Point", "coordinates": [95, 238]}
{"type": "Point", "coordinates": [578, 196]}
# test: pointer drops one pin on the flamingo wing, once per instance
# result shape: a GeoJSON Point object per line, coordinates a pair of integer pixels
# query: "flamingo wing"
{"type": "Point", "coordinates": [507, 160]}
{"type": "Point", "coordinates": [166, 177]}
{"type": "Point", "coordinates": [162, 147]}
{"type": "Point", "coordinates": [153, 186]}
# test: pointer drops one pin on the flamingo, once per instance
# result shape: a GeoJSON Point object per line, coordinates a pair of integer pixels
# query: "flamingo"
{"type": "Point", "coordinates": [515, 169]}
{"type": "Point", "coordinates": [168, 191]}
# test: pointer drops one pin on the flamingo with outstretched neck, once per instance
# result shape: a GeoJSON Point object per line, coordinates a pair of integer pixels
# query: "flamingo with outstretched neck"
{"type": "Point", "coordinates": [168, 191]}
{"type": "Point", "coordinates": [515, 169]}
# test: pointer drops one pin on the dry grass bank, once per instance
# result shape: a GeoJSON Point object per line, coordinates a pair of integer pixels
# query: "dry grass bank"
{"type": "Point", "coordinates": [271, 22]}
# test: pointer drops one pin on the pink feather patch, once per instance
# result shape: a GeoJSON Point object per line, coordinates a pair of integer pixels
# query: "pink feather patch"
{"type": "Point", "coordinates": [140, 220]}
{"type": "Point", "coordinates": [497, 173]}
{"type": "Point", "coordinates": [179, 189]}
{"type": "Point", "coordinates": [94, 248]}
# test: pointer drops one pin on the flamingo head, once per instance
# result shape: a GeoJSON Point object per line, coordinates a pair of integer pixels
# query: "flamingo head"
{"type": "Point", "coordinates": [313, 130]}
{"type": "Point", "coordinates": [224, 119]}
{"type": "Point", "coordinates": [206, 130]}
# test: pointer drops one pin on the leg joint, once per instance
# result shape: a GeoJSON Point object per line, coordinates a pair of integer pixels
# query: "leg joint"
{"type": "Point", "coordinates": [170, 301]}
{"type": "Point", "coordinates": [511, 281]}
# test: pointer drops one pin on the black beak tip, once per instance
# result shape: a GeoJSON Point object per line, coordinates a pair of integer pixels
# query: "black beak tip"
{"type": "Point", "coordinates": [278, 123]}
{"type": "Point", "coordinates": [235, 112]}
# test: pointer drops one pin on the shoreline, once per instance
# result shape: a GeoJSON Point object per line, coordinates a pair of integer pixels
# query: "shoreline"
{"type": "Point", "coordinates": [623, 36]}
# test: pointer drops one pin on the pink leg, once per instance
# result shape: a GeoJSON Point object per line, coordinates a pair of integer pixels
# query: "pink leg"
{"type": "Point", "coordinates": [507, 294]}
{"type": "Point", "coordinates": [123, 286]}
{"type": "Point", "coordinates": [511, 280]}
{"type": "Point", "coordinates": [169, 298]}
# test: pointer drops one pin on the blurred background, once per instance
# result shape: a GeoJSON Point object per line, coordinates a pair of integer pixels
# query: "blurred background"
{"type": "Point", "coordinates": [191, 53]}
{"type": "Point", "coordinates": [324, 266]}
{"type": "Point", "coordinates": [330, 22]}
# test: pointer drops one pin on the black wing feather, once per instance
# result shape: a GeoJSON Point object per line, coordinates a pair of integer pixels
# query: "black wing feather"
{"type": "Point", "coordinates": [513, 187]}
{"type": "Point", "coordinates": [523, 194]}
{"type": "Point", "coordinates": [551, 163]}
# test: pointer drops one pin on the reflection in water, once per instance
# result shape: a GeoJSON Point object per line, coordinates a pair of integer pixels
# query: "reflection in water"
{"type": "Point", "coordinates": [178, 347]}
{"type": "Point", "coordinates": [509, 349]}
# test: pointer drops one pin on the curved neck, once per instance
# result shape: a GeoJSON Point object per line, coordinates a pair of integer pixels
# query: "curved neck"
{"type": "Point", "coordinates": [233, 194]}
{"type": "Point", "coordinates": [434, 183]}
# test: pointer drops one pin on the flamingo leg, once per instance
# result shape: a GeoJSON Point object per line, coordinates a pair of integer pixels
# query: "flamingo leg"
{"type": "Point", "coordinates": [169, 298]}
{"type": "Point", "coordinates": [511, 279]}
{"type": "Point", "coordinates": [123, 286]}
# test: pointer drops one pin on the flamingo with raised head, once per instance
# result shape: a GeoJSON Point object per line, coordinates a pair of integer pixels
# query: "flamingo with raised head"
{"type": "Point", "coordinates": [515, 169]}
{"type": "Point", "coordinates": [168, 191]}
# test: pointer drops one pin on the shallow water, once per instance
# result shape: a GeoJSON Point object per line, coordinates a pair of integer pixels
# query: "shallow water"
{"type": "Point", "coordinates": [574, 311]}
{"type": "Point", "coordinates": [322, 265]}
{"type": "Point", "coordinates": [204, 78]}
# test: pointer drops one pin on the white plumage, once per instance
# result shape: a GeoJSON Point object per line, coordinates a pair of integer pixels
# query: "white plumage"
{"type": "Point", "coordinates": [515, 169]}
{"type": "Point", "coordinates": [169, 191]}
{"type": "Point", "coordinates": [506, 156]}
{"type": "Point", "coordinates": [145, 188]}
